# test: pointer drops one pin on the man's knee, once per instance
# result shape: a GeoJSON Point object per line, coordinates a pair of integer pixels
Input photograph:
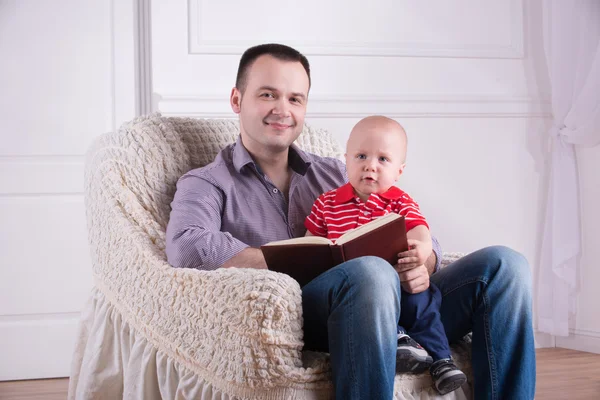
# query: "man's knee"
{"type": "Point", "coordinates": [509, 265]}
{"type": "Point", "coordinates": [372, 273]}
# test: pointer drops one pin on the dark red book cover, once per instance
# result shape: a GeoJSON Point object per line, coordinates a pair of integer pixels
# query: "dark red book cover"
{"type": "Point", "coordinates": [304, 262]}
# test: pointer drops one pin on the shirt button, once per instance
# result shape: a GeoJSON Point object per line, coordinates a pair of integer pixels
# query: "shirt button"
{"type": "Point", "coordinates": [275, 191]}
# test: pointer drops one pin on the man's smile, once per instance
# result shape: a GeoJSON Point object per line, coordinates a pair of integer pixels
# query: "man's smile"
{"type": "Point", "coordinates": [278, 126]}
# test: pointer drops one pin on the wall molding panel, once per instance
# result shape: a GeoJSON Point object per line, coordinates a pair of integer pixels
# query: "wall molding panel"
{"type": "Point", "coordinates": [413, 43]}
{"type": "Point", "coordinates": [37, 355]}
{"type": "Point", "coordinates": [42, 165]}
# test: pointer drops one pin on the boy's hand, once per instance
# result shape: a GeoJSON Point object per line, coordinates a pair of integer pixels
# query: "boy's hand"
{"type": "Point", "coordinates": [416, 255]}
{"type": "Point", "coordinates": [413, 279]}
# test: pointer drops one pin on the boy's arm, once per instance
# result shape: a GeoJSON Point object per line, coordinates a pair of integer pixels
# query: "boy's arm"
{"type": "Point", "coordinates": [418, 263]}
{"type": "Point", "coordinates": [419, 239]}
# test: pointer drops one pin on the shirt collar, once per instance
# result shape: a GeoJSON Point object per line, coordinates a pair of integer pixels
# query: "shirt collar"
{"type": "Point", "coordinates": [346, 193]}
{"type": "Point", "coordinates": [298, 160]}
{"type": "Point", "coordinates": [241, 157]}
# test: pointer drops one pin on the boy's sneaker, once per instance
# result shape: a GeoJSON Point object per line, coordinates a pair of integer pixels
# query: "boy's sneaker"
{"type": "Point", "coordinates": [446, 376]}
{"type": "Point", "coordinates": [410, 356]}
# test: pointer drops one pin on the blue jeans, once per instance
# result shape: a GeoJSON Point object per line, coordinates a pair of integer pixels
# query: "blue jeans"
{"type": "Point", "coordinates": [352, 312]}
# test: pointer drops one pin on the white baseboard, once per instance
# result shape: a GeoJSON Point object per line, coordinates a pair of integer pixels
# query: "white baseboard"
{"type": "Point", "coordinates": [543, 340]}
{"type": "Point", "coordinates": [37, 346]}
{"type": "Point", "coordinates": [580, 339]}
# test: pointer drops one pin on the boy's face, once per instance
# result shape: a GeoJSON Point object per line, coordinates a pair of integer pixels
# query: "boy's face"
{"type": "Point", "coordinates": [272, 105]}
{"type": "Point", "coordinates": [375, 156]}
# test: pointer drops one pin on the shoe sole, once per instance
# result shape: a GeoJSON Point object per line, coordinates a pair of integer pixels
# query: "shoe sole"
{"type": "Point", "coordinates": [409, 362]}
{"type": "Point", "coordinates": [452, 385]}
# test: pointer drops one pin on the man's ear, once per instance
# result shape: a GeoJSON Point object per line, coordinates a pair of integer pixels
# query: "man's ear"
{"type": "Point", "coordinates": [236, 100]}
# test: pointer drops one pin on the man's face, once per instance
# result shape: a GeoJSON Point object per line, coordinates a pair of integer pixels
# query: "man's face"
{"type": "Point", "coordinates": [374, 159]}
{"type": "Point", "coordinates": [273, 104]}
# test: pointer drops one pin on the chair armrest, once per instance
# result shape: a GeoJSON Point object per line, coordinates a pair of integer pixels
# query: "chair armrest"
{"type": "Point", "coordinates": [242, 325]}
{"type": "Point", "coordinates": [449, 258]}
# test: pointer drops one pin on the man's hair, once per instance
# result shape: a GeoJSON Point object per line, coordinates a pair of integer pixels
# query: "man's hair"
{"type": "Point", "coordinates": [279, 51]}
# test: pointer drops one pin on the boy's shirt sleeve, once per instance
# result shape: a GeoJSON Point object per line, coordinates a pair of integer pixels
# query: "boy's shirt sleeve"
{"type": "Point", "coordinates": [409, 208]}
{"type": "Point", "coordinates": [315, 222]}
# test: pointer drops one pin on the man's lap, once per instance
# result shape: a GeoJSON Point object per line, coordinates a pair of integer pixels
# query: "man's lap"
{"type": "Point", "coordinates": [367, 283]}
{"type": "Point", "coordinates": [462, 284]}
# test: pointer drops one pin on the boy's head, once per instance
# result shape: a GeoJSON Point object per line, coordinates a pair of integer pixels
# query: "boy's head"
{"type": "Point", "coordinates": [375, 155]}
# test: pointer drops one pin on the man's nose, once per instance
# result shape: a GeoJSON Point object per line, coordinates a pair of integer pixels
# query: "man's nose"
{"type": "Point", "coordinates": [281, 108]}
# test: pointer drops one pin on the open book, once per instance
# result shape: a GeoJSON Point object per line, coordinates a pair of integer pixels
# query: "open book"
{"type": "Point", "coordinates": [307, 257]}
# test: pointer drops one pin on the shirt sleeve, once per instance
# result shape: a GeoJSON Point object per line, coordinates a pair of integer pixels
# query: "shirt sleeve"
{"type": "Point", "coordinates": [437, 249]}
{"type": "Point", "coordinates": [194, 238]}
{"type": "Point", "coordinates": [315, 222]}
{"type": "Point", "coordinates": [409, 208]}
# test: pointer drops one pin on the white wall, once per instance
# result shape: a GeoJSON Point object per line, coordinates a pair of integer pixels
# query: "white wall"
{"type": "Point", "coordinates": [467, 79]}
{"type": "Point", "coordinates": [61, 87]}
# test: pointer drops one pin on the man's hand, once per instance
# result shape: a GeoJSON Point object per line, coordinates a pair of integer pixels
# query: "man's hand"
{"type": "Point", "coordinates": [413, 279]}
{"type": "Point", "coordinates": [417, 253]}
{"type": "Point", "coordinates": [247, 258]}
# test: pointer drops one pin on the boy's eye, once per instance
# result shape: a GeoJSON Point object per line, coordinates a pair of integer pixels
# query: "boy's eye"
{"type": "Point", "coordinates": [361, 156]}
{"type": "Point", "coordinates": [383, 159]}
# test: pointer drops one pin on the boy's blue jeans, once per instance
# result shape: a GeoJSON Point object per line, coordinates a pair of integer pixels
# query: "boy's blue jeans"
{"type": "Point", "coordinates": [352, 311]}
{"type": "Point", "coordinates": [420, 318]}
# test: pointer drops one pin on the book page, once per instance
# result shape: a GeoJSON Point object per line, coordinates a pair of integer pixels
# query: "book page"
{"type": "Point", "coordinates": [368, 227]}
{"type": "Point", "coordinates": [302, 240]}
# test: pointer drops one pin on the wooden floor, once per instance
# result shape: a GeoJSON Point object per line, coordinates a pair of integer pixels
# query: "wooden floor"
{"type": "Point", "coordinates": [567, 374]}
{"type": "Point", "coordinates": [561, 374]}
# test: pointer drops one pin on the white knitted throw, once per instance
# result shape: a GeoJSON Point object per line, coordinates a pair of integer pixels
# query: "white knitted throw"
{"type": "Point", "coordinates": [239, 329]}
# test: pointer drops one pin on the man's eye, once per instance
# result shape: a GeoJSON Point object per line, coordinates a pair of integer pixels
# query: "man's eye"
{"type": "Point", "coordinates": [267, 95]}
{"type": "Point", "coordinates": [295, 100]}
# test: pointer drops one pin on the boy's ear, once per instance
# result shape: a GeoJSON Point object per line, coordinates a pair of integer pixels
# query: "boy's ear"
{"type": "Point", "coordinates": [401, 170]}
{"type": "Point", "coordinates": [235, 99]}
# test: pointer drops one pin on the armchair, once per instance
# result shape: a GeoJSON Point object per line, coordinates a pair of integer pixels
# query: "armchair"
{"type": "Point", "coordinates": [150, 331]}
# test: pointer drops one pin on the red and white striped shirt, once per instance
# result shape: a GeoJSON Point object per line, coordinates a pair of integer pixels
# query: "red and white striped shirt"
{"type": "Point", "coordinates": [340, 210]}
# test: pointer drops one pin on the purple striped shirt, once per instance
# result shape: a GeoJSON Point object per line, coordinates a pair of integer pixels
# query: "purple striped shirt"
{"type": "Point", "coordinates": [222, 208]}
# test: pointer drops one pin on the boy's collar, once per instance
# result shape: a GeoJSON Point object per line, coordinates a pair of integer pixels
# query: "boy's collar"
{"type": "Point", "coordinates": [346, 193]}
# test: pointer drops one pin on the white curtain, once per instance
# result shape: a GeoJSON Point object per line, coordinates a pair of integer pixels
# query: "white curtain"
{"type": "Point", "coordinates": [572, 48]}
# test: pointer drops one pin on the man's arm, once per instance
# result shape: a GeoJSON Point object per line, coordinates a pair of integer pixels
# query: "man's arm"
{"type": "Point", "coordinates": [194, 238]}
{"type": "Point", "coordinates": [247, 258]}
{"type": "Point", "coordinates": [431, 263]}
{"type": "Point", "coordinates": [434, 260]}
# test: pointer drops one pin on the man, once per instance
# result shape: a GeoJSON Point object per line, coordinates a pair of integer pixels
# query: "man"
{"type": "Point", "coordinates": [352, 310]}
